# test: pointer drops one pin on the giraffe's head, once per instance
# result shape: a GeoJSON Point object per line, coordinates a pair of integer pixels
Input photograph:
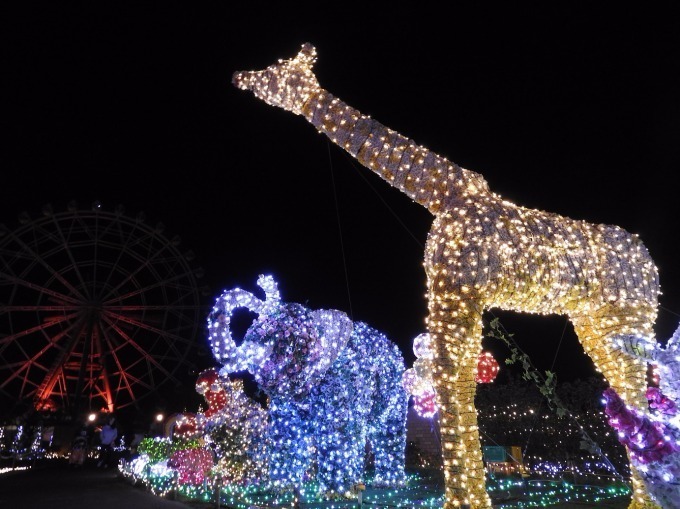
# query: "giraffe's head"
{"type": "Point", "coordinates": [287, 84]}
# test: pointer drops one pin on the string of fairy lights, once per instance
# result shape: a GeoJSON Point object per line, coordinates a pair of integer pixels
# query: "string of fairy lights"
{"type": "Point", "coordinates": [23, 442]}
{"type": "Point", "coordinates": [545, 436]}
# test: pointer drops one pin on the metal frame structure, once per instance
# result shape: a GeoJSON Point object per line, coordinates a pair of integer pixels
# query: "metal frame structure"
{"type": "Point", "coordinates": [97, 309]}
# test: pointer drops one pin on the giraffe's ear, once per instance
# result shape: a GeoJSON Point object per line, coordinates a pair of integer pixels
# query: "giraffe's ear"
{"type": "Point", "coordinates": [307, 55]}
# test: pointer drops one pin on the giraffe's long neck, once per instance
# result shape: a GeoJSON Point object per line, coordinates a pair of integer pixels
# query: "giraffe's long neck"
{"type": "Point", "coordinates": [425, 177]}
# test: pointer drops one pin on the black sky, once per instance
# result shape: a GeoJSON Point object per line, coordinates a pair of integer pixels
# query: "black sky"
{"type": "Point", "coordinates": [561, 107]}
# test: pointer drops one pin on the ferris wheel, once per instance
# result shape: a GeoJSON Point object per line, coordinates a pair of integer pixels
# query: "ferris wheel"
{"type": "Point", "coordinates": [97, 310]}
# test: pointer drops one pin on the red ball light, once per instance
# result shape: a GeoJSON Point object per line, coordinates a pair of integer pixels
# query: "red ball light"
{"type": "Point", "coordinates": [487, 368]}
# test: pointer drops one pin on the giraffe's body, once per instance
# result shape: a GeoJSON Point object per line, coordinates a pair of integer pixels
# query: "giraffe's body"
{"type": "Point", "coordinates": [483, 252]}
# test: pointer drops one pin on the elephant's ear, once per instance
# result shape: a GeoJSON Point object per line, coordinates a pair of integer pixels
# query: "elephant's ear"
{"type": "Point", "coordinates": [334, 328]}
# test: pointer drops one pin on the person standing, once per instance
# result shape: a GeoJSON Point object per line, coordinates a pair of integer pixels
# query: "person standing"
{"type": "Point", "coordinates": [79, 449]}
{"type": "Point", "coordinates": [107, 439]}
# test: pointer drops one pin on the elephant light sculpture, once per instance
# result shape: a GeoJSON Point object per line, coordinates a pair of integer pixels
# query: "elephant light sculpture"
{"type": "Point", "coordinates": [333, 386]}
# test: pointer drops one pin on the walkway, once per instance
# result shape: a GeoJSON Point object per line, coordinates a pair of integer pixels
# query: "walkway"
{"type": "Point", "coordinates": [56, 485]}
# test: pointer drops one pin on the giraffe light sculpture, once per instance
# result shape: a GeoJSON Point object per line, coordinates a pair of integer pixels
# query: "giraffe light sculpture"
{"type": "Point", "coordinates": [484, 252]}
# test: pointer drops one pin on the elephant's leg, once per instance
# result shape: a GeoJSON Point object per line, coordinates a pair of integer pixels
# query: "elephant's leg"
{"type": "Point", "coordinates": [341, 461]}
{"type": "Point", "coordinates": [597, 332]}
{"type": "Point", "coordinates": [455, 325]}
{"type": "Point", "coordinates": [388, 441]}
{"type": "Point", "coordinates": [289, 459]}
{"type": "Point", "coordinates": [340, 438]}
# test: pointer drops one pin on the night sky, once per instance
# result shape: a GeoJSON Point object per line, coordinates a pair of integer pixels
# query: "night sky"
{"type": "Point", "coordinates": [572, 110]}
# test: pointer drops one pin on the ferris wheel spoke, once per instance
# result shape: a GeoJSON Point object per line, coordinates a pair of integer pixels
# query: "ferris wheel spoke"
{"type": "Point", "coordinates": [145, 367]}
{"type": "Point", "coordinates": [100, 393]}
{"type": "Point", "coordinates": [137, 347]}
{"type": "Point", "coordinates": [106, 393]}
{"type": "Point", "coordinates": [133, 381]}
{"type": "Point", "coordinates": [38, 288]}
{"type": "Point", "coordinates": [33, 360]}
{"type": "Point", "coordinates": [130, 382]}
{"type": "Point", "coordinates": [40, 260]}
{"type": "Point", "coordinates": [160, 332]}
{"type": "Point", "coordinates": [111, 236]}
{"type": "Point", "coordinates": [20, 365]}
{"type": "Point", "coordinates": [12, 338]}
{"type": "Point", "coordinates": [128, 242]}
{"type": "Point", "coordinates": [47, 385]}
{"type": "Point", "coordinates": [64, 244]}
{"type": "Point", "coordinates": [21, 373]}
{"type": "Point", "coordinates": [149, 307]}
{"type": "Point", "coordinates": [146, 266]}
{"type": "Point", "coordinates": [28, 387]}
{"type": "Point", "coordinates": [40, 308]}
{"type": "Point", "coordinates": [14, 255]}
{"type": "Point", "coordinates": [93, 304]}
{"type": "Point", "coordinates": [186, 290]}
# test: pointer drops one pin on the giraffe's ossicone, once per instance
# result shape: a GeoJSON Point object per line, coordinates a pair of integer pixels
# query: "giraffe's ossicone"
{"type": "Point", "coordinates": [484, 252]}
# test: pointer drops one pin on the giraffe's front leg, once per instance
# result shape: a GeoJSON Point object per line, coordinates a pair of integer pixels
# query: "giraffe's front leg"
{"type": "Point", "coordinates": [455, 325]}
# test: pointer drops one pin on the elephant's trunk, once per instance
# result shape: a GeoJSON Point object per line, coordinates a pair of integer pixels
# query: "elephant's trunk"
{"type": "Point", "coordinates": [225, 350]}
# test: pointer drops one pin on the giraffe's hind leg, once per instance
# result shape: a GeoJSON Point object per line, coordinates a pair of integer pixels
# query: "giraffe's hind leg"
{"type": "Point", "coordinates": [597, 331]}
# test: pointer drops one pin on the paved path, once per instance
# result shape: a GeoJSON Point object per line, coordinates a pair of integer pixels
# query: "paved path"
{"type": "Point", "coordinates": [58, 486]}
